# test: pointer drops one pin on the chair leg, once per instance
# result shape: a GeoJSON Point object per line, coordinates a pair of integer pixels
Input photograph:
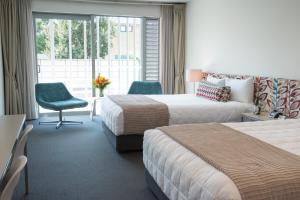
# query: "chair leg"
{"type": "Point", "coordinates": [26, 180]}
{"type": "Point", "coordinates": [71, 122]}
{"type": "Point", "coordinates": [26, 173]}
{"type": "Point", "coordinates": [60, 116]}
{"type": "Point", "coordinates": [64, 122]}
{"type": "Point", "coordinates": [51, 122]}
{"type": "Point", "coordinates": [61, 122]}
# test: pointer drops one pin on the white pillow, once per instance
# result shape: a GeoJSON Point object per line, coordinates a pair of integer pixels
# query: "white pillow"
{"type": "Point", "coordinates": [216, 81]}
{"type": "Point", "coordinates": [241, 90]}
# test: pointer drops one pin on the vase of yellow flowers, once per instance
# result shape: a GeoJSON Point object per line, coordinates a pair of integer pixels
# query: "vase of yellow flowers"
{"type": "Point", "coordinates": [101, 82]}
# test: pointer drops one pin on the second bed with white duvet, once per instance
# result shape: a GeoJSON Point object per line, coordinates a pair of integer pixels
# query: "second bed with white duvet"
{"type": "Point", "coordinates": [182, 175]}
{"type": "Point", "coordinates": [183, 109]}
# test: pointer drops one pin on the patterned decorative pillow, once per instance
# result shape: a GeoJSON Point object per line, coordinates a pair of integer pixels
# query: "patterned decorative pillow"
{"type": "Point", "coordinates": [213, 92]}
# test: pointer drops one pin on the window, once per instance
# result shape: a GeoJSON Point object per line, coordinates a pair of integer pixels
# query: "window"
{"type": "Point", "coordinates": [123, 28]}
{"type": "Point", "coordinates": [123, 53]}
{"type": "Point", "coordinates": [151, 50]}
{"type": "Point", "coordinates": [64, 53]}
{"type": "Point", "coordinates": [74, 49]}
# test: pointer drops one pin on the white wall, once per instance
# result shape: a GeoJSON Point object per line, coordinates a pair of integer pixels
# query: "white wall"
{"type": "Point", "coordinates": [95, 8]}
{"type": "Point", "coordinates": [1, 84]}
{"type": "Point", "coordinates": [253, 37]}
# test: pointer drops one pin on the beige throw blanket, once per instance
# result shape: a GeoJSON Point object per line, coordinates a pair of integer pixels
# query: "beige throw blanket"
{"type": "Point", "coordinates": [141, 112]}
{"type": "Point", "coordinates": [259, 170]}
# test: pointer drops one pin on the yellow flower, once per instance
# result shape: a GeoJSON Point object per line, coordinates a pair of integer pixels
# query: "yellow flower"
{"type": "Point", "coordinates": [101, 82]}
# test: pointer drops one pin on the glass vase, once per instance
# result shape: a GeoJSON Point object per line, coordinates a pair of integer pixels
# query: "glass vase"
{"type": "Point", "coordinates": [101, 94]}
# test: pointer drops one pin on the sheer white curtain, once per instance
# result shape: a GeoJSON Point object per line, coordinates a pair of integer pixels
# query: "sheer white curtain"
{"type": "Point", "coordinates": [173, 48]}
{"type": "Point", "coordinates": [18, 57]}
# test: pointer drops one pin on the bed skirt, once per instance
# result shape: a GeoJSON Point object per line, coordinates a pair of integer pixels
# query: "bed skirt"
{"type": "Point", "coordinates": [123, 143]}
{"type": "Point", "coordinates": [155, 189]}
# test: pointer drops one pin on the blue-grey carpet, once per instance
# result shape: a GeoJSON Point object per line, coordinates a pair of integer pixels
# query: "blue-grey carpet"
{"type": "Point", "coordinates": [77, 162]}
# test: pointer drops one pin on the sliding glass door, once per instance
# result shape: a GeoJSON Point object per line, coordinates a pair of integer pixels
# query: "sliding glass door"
{"type": "Point", "coordinates": [75, 49]}
{"type": "Point", "coordinates": [63, 51]}
{"type": "Point", "coordinates": [119, 51]}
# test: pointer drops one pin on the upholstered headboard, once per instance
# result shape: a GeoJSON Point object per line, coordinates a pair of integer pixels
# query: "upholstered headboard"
{"type": "Point", "coordinates": [273, 93]}
{"type": "Point", "coordinates": [280, 94]}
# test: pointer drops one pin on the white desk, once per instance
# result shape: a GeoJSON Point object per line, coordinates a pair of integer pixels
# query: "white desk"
{"type": "Point", "coordinates": [10, 129]}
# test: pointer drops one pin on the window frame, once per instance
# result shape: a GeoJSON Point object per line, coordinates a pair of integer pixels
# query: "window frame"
{"type": "Point", "coordinates": [92, 30]}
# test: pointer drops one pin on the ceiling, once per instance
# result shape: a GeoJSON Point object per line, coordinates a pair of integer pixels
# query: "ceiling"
{"type": "Point", "coordinates": [164, 1]}
{"type": "Point", "coordinates": [127, 1]}
{"type": "Point", "coordinates": [153, 1]}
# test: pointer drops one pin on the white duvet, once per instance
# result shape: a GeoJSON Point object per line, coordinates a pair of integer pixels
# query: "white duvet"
{"type": "Point", "coordinates": [183, 109]}
{"type": "Point", "coordinates": [183, 175]}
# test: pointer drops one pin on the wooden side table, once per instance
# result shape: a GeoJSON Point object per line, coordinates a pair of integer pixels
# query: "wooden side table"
{"type": "Point", "coordinates": [251, 117]}
{"type": "Point", "coordinates": [96, 103]}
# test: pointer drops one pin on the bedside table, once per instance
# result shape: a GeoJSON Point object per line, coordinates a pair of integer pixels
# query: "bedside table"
{"type": "Point", "coordinates": [95, 106]}
{"type": "Point", "coordinates": [251, 117]}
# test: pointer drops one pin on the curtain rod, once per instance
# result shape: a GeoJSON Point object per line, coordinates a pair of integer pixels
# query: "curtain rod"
{"type": "Point", "coordinates": [129, 2]}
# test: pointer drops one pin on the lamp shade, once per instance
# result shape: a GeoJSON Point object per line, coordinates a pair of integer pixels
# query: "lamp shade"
{"type": "Point", "coordinates": [195, 75]}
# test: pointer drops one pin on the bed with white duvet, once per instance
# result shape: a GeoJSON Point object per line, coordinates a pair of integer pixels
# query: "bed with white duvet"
{"type": "Point", "coordinates": [183, 109]}
{"type": "Point", "coordinates": [182, 175]}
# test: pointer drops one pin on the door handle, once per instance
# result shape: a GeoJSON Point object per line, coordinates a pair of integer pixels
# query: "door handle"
{"type": "Point", "coordinates": [38, 68]}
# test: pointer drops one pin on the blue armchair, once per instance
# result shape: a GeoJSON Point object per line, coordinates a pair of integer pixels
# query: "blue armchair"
{"type": "Point", "coordinates": [55, 96]}
{"type": "Point", "coordinates": [145, 87]}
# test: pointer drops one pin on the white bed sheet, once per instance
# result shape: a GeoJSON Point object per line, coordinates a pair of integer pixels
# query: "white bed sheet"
{"type": "Point", "coordinates": [183, 109]}
{"type": "Point", "coordinates": [184, 176]}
